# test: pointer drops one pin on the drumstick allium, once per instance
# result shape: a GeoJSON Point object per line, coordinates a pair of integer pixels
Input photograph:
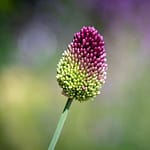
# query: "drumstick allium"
{"type": "Point", "coordinates": [82, 69]}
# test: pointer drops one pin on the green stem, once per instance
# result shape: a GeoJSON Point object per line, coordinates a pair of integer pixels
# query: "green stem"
{"type": "Point", "coordinates": [60, 125]}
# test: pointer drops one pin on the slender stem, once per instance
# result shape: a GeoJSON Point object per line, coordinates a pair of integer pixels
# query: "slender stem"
{"type": "Point", "coordinates": [60, 125]}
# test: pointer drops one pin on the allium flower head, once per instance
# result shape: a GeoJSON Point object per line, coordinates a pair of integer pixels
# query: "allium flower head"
{"type": "Point", "coordinates": [82, 69]}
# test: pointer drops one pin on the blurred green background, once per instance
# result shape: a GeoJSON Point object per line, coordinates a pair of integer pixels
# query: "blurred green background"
{"type": "Point", "coordinates": [33, 34]}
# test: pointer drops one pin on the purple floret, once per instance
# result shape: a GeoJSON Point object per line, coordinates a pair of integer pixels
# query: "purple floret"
{"type": "Point", "coordinates": [88, 49]}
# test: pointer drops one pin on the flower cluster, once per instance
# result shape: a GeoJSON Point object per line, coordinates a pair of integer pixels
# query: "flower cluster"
{"type": "Point", "coordinates": [82, 69]}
